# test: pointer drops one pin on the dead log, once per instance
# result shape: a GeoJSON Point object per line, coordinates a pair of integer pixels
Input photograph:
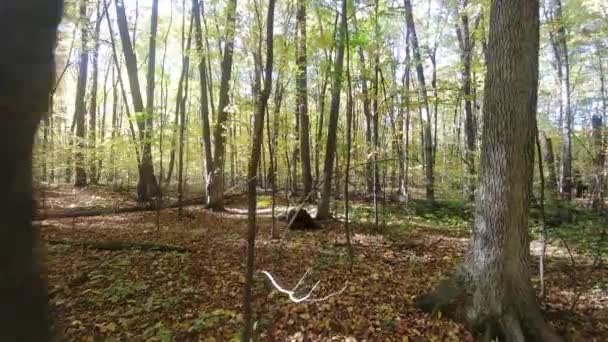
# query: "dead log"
{"type": "Point", "coordinates": [87, 212]}
{"type": "Point", "coordinates": [117, 245]}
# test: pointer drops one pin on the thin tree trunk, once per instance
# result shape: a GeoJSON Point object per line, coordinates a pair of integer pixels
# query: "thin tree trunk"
{"type": "Point", "coordinates": [93, 158]}
{"type": "Point", "coordinates": [251, 176]}
{"type": "Point", "coordinates": [302, 97]}
{"type": "Point", "coordinates": [147, 185]}
{"type": "Point", "coordinates": [323, 211]}
{"type": "Point", "coordinates": [80, 107]}
{"type": "Point", "coordinates": [215, 186]}
{"type": "Point", "coordinates": [202, 67]}
{"type": "Point", "coordinates": [406, 123]}
{"type": "Point", "coordinates": [424, 106]}
{"type": "Point", "coordinates": [182, 120]}
{"type": "Point", "coordinates": [599, 160]}
{"type": "Point", "coordinates": [548, 156]}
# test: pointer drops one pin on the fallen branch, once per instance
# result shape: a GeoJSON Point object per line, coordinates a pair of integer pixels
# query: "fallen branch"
{"type": "Point", "coordinates": [305, 298]}
{"type": "Point", "coordinates": [115, 245]}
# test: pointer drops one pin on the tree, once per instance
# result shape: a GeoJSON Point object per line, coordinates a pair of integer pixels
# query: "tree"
{"type": "Point", "coordinates": [80, 107]}
{"type": "Point", "coordinates": [328, 166]}
{"type": "Point", "coordinates": [466, 44]}
{"type": "Point", "coordinates": [147, 185]}
{"type": "Point", "coordinates": [93, 160]}
{"type": "Point", "coordinates": [427, 138]}
{"type": "Point", "coordinates": [254, 161]}
{"type": "Point", "coordinates": [26, 77]}
{"type": "Point", "coordinates": [302, 97]}
{"type": "Point", "coordinates": [215, 182]}
{"type": "Point", "coordinates": [494, 280]}
{"type": "Point", "coordinates": [559, 44]}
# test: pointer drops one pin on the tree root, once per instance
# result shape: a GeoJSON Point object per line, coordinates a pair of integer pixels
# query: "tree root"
{"type": "Point", "coordinates": [122, 245]}
{"type": "Point", "coordinates": [520, 319]}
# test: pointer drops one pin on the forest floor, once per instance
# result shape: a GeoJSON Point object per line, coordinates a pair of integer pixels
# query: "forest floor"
{"type": "Point", "coordinates": [133, 295]}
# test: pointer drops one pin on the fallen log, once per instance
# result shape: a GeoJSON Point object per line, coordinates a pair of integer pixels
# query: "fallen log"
{"type": "Point", "coordinates": [87, 212]}
{"type": "Point", "coordinates": [117, 245]}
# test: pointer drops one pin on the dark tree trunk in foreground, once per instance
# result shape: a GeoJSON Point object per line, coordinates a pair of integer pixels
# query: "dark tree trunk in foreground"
{"type": "Point", "coordinates": [252, 182]}
{"type": "Point", "coordinates": [147, 185]}
{"type": "Point", "coordinates": [80, 106]}
{"type": "Point", "coordinates": [215, 183]}
{"type": "Point", "coordinates": [26, 75]}
{"type": "Point", "coordinates": [428, 139]}
{"type": "Point", "coordinates": [302, 98]}
{"type": "Point", "coordinates": [493, 286]}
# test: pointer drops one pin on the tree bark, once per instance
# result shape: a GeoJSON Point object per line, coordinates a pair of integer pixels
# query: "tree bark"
{"type": "Point", "coordinates": [80, 106]}
{"type": "Point", "coordinates": [147, 185]}
{"type": "Point", "coordinates": [548, 156]}
{"type": "Point", "coordinates": [215, 184]}
{"type": "Point", "coordinates": [323, 211]}
{"type": "Point", "coordinates": [427, 137]}
{"type": "Point", "coordinates": [93, 160]}
{"type": "Point", "coordinates": [494, 281]}
{"type": "Point", "coordinates": [26, 77]}
{"type": "Point", "coordinates": [302, 97]}
{"type": "Point", "coordinates": [252, 181]}
{"type": "Point", "coordinates": [202, 68]}
{"type": "Point", "coordinates": [599, 160]}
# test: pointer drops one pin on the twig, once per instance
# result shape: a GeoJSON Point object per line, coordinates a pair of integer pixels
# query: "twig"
{"type": "Point", "coordinates": [305, 298]}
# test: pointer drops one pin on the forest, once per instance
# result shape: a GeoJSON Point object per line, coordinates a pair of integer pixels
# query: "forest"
{"type": "Point", "coordinates": [304, 170]}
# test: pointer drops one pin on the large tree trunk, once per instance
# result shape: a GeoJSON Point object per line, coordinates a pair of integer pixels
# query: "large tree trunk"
{"type": "Point", "coordinates": [256, 148]}
{"type": "Point", "coordinates": [80, 107]}
{"type": "Point", "coordinates": [302, 98]}
{"type": "Point", "coordinates": [427, 137]}
{"type": "Point", "coordinates": [215, 183]}
{"type": "Point", "coordinates": [147, 185]}
{"type": "Point", "coordinates": [493, 284]}
{"type": "Point", "coordinates": [323, 206]}
{"type": "Point", "coordinates": [26, 75]}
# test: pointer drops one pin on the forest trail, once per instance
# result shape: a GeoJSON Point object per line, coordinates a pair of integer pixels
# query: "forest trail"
{"type": "Point", "coordinates": [151, 295]}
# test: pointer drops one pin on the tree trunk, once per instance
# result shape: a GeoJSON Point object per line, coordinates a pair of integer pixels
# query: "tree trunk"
{"type": "Point", "coordinates": [251, 176]}
{"type": "Point", "coordinates": [493, 284]}
{"type": "Point", "coordinates": [367, 113]}
{"type": "Point", "coordinates": [147, 185]}
{"type": "Point", "coordinates": [26, 76]}
{"type": "Point", "coordinates": [202, 68]}
{"type": "Point", "coordinates": [328, 167]}
{"type": "Point", "coordinates": [215, 184]}
{"type": "Point", "coordinates": [404, 188]}
{"type": "Point", "coordinates": [93, 104]}
{"type": "Point", "coordinates": [548, 156]}
{"type": "Point", "coordinates": [80, 107]}
{"type": "Point", "coordinates": [598, 162]}
{"type": "Point", "coordinates": [302, 97]}
{"type": "Point", "coordinates": [182, 120]}
{"type": "Point", "coordinates": [466, 58]}
{"type": "Point", "coordinates": [147, 179]}
{"type": "Point", "coordinates": [424, 106]}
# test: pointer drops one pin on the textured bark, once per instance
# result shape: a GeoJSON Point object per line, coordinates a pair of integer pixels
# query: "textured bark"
{"type": "Point", "coordinates": [302, 97]}
{"type": "Point", "coordinates": [147, 185]}
{"type": "Point", "coordinates": [26, 75]}
{"type": "Point", "coordinates": [202, 69]}
{"type": "Point", "coordinates": [215, 184]}
{"type": "Point", "coordinates": [148, 172]}
{"type": "Point", "coordinates": [252, 181]}
{"type": "Point", "coordinates": [328, 167]}
{"type": "Point", "coordinates": [494, 280]}
{"type": "Point", "coordinates": [80, 106]}
{"type": "Point", "coordinates": [424, 106]}
{"type": "Point", "coordinates": [548, 156]}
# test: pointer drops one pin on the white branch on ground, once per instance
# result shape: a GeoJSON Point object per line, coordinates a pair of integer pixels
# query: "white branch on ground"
{"type": "Point", "coordinates": [305, 298]}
